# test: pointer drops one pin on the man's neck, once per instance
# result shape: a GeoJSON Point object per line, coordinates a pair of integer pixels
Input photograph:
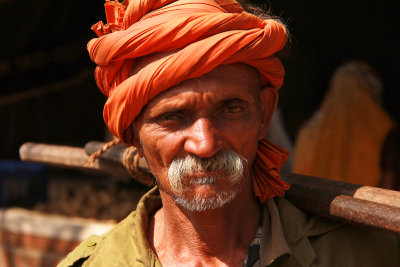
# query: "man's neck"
{"type": "Point", "coordinates": [216, 237]}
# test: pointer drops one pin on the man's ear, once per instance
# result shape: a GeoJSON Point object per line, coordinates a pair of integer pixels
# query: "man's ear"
{"type": "Point", "coordinates": [269, 100]}
{"type": "Point", "coordinates": [136, 140]}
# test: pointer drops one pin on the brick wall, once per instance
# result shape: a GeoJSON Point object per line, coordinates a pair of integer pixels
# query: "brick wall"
{"type": "Point", "coordinates": [33, 239]}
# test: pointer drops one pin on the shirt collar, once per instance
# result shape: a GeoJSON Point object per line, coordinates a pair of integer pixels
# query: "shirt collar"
{"type": "Point", "coordinates": [273, 243]}
{"type": "Point", "coordinates": [297, 228]}
{"type": "Point", "coordinates": [285, 230]}
{"type": "Point", "coordinates": [149, 203]}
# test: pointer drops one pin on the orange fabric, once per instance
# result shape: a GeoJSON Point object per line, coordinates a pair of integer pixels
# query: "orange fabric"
{"type": "Point", "coordinates": [343, 140]}
{"type": "Point", "coordinates": [203, 34]}
{"type": "Point", "coordinates": [267, 164]}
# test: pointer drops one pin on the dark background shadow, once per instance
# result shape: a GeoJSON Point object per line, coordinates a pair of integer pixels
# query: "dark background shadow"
{"type": "Point", "coordinates": [325, 35]}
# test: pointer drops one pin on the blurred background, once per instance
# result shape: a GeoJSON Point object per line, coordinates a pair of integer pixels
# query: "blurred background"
{"type": "Point", "coordinates": [48, 93]}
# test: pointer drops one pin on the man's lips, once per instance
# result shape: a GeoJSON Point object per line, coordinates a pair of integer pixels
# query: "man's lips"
{"type": "Point", "coordinates": [202, 174]}
{"type": "Point", "coordinates": [204, 177]}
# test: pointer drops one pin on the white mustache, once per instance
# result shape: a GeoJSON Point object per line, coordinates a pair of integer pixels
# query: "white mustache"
{"type": "Point", "coordinates": [229, 163]}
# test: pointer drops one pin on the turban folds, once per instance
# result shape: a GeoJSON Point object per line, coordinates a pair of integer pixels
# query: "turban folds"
{"type": "Point", "coordinates": [203, 34]}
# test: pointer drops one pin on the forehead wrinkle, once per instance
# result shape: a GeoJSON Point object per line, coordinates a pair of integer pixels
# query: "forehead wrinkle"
{"type": "Point", "coordinates": [170, 103]}
{"type": "Point", "coordinates": [210, 88]}
{"type": "Point", "coordinates": [192, 97]}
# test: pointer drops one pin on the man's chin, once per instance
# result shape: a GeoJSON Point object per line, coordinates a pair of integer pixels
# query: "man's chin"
{"type": "Point", "coordinates": [200, 202]}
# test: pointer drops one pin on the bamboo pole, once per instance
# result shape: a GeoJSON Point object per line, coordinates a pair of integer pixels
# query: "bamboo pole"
{"type": "Point", "coordinates": [370, 206]}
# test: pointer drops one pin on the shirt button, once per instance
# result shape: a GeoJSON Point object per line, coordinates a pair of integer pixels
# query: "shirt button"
{"type": "Point", "coordinates": [91, 244]}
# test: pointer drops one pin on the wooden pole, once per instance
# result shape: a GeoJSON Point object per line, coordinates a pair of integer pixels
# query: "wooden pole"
{"type": "Point", "coordinates": [360, 204]}
{"type": "Point", "coordinates": [370, 206]}
{"type": "Point", "coordinates": [114, 154]}
{"type": "Point", "coordinates": [67, 157]}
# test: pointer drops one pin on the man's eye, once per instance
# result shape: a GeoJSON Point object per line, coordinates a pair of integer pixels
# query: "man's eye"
{"type": "Point", "coordinates": [170, 116]}
{"type": "Point", "coordinates": [233, 109]}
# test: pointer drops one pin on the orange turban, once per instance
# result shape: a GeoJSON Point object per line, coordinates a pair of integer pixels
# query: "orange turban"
{"type": "Point", "coordinates": [203, 34]}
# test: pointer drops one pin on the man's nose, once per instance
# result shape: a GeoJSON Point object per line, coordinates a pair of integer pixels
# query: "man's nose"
{"type": "Point", "coordinates": [203, 139]}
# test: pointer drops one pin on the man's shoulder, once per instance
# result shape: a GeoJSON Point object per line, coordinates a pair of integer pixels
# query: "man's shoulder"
{"type": "Point", "coordinates": [82, 252]}
{"type": "Point", "coordinates": [296, 223]}
{"type": "Point", "coordinates": [93, 244]}
{"type": "Point", "coordinates": [125, 243]}
{"type": "Point", "coordinates": [335, 243]}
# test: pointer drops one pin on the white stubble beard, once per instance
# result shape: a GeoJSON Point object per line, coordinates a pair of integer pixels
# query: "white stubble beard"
{"type": "Point", "coordinates": [230, 163]}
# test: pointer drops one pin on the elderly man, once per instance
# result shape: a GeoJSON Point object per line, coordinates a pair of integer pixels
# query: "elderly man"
{"type": "Point", "coordinates": [193, 85]}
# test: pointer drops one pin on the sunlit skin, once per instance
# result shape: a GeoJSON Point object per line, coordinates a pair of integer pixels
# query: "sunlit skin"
{"type": "Point", "coordinates": [220, 111]}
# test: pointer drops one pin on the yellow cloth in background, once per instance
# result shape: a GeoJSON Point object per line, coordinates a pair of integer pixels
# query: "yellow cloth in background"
{"type": "Point", "coordinates": [343, 140]}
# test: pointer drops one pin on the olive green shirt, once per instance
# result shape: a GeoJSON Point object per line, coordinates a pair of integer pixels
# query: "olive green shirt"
{"type": "Point", "coordinates": [289, 238]}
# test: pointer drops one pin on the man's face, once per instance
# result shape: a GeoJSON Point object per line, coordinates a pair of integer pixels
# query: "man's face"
{"type": "Point", "coordinates": [217, 118]}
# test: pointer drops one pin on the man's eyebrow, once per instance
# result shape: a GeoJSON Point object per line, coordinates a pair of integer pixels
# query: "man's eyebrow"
{"type": "Point", "coordinates": [168, 106]}
{"type": "Point", "coordinates": [233, 100]}
{"type": "Point", "coordinates": [175, 105]}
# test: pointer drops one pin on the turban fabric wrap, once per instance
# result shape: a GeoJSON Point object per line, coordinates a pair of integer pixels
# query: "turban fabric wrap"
{"type": "Point", "coordinates": [202, 34]}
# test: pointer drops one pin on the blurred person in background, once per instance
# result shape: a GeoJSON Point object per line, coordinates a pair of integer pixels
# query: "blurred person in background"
{"type": "Point", "coordinates": [351, 138]}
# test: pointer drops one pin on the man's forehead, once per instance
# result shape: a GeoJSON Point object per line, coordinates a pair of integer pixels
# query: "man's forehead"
{"type": "Point", "coordinates": [224, 84]}
{"type": "Point", "coordinates": [229, 76]}
{"type": "Point", "coordinates": [240, 72]}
